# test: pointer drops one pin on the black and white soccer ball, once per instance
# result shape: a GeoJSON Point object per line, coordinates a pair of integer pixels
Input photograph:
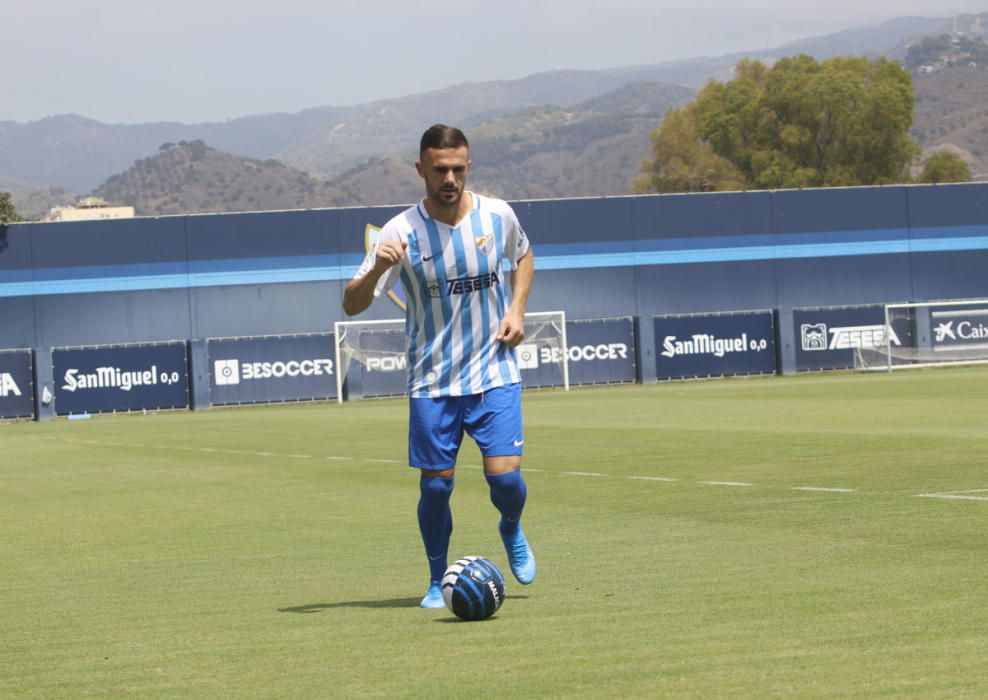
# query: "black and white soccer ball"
{"type": "Point", "coordinates": [473, 588]}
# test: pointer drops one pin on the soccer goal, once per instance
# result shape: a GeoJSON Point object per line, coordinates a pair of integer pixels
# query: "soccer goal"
{"type": "Point", "coordinates": [929, 334]}
{"type": "Point", "coordinates": [371, 359]}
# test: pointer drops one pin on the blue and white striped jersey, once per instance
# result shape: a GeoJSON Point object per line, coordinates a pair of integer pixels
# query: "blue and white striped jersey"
{"type": "Point", "coordinates": [455, 296]}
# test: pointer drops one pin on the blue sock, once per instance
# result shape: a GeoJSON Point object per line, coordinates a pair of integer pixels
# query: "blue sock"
{"type": "Point", "coordinates": [508, 493]}
{"type": "Point", "coordinates": [435, 522]}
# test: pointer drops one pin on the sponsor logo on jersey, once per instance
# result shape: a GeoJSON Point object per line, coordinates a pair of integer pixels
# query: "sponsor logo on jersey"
{"type": "Point", "coordinates": [462, 285]}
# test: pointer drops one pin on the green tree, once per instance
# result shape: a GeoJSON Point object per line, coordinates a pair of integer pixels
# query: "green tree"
{"type": "Point", "coordinates": [945, 166]}
{"type": "Point", "coordinates": [801, 123]}
{"type": "Point", "coordinates": [8, 214]}
{"type": "Point", "coordinates": [682, 162]}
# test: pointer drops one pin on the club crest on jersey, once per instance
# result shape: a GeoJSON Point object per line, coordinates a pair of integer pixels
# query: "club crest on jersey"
{"type": "Point", "coordinates": [485, 243]}
{"type": "Point", "coordinates": [371, 235]}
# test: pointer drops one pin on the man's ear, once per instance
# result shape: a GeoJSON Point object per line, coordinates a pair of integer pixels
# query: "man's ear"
{"type": "Point", "coordinates": [418, 168]}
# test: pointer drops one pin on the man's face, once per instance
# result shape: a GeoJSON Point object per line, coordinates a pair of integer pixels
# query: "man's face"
{"type": "Point", "coordinates": [445, 173]}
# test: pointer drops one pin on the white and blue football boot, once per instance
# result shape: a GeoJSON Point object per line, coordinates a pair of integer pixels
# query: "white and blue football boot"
{"type": "Point", "coordinates": [520, 556]}
{"type": "Point", "coordinates": [433, 597]}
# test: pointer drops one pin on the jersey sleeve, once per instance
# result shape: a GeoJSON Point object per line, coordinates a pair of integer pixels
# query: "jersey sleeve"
{"type": "Point", "coordinates": [516, 241]}
{"type": "Point", "coordinates": [389, 278]}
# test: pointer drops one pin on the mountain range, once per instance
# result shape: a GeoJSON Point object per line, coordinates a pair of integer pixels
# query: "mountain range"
{"type": "Point", "coordinates": [561, 133]}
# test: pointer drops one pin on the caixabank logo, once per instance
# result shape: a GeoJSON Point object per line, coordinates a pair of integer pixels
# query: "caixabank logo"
{"type": "Point", "coordinates": [956, 334]}
{"type": "Point", "coordinates": [371, 236]}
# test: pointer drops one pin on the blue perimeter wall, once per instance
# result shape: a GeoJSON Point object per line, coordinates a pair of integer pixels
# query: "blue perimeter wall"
{"type": "Point", "coordinates": [203, 276]}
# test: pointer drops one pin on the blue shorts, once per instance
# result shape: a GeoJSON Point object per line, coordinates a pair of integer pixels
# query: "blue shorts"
{"type": "Point", "coordinates": [436, 426]}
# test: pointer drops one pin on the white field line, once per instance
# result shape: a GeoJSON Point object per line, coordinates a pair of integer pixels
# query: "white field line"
{"type": "Point", "coordinates": [966, 495]}
{"type": "Point", "coordinates": [822, 489]}
{"type": "Point", "coordinates": [956, 495]}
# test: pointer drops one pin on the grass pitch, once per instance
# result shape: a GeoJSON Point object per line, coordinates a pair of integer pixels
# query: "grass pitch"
{"type": "Point", "coordinates": [811, 536]}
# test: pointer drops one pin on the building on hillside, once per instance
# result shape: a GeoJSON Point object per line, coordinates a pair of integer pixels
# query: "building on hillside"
{"type": "Point", "coordinates": [89, 208]}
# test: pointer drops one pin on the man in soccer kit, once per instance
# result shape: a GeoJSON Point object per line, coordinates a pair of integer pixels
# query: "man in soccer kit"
{"type": "Point", "coordinates": [461, 328]}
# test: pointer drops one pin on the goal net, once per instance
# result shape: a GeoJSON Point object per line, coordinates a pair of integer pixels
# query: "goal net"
{"type": "Point", "coordinates": [371, 356]}
{"type": "Point", "coordinates": [929, 334]}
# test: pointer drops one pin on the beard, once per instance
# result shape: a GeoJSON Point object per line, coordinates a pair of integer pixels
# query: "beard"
{"type": "Point", "coordinates": [447, 196]}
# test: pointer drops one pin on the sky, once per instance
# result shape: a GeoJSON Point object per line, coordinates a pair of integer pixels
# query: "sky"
{"type": "Point", "coordinates": [139, 61]}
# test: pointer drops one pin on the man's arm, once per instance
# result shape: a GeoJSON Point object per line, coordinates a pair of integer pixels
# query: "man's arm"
{"type": "Point", "coordinates": [359, 292]}
{"type": "Point", "coordinates": [512, 329]}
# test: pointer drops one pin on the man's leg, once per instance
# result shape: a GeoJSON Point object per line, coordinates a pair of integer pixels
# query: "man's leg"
{"type": "Point", "coordinates": [494, 421]}
{"type": "Point", "coordinates": [436, 525]}
{"type": "Point", "coordinates": [435, 431]}
{"type": "Point", "coordinates": [508, 494]}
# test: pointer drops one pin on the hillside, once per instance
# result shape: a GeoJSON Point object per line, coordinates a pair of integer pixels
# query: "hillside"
{"type": "Point", "coordinates": [191, 177]}
{"type": "Point", "coordinates": [590, 149]}
{"type": "Point", "coordinates": [952, 111]}
{"type": "Point", "coordinates": [79, 153]}
{"type": "Point", "coordinates": [950, 79]}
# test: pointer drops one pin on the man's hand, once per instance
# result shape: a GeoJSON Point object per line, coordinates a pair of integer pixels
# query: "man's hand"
{"type": "Point", "coordinates": [389, 253]}
{"type": "Point", "coordinates": [359, 292]}
{"type": "Point", "coordinates": [512, 329]}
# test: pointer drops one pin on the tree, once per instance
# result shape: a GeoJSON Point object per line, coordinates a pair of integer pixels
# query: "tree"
{"type": "Point", "coordinates": [841, 122]}
{"type": "Point", "coordinates": [8, 214]}
{"type": "Point", "coordinates": [945, 166]}
{"type": "Point", "coordinates": [683, 163]}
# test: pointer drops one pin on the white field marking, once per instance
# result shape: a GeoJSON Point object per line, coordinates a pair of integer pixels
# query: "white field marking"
{"type": "Point", "coordinates": [822, 489]}
{"type": "Point", "coordinates": [956, 495]}
{"type": "Point", "coordinates": [966, 495]}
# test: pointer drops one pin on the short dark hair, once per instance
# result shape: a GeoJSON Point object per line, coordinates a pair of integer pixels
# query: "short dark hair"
{"type": "Point", "coordinates": [442, 136]}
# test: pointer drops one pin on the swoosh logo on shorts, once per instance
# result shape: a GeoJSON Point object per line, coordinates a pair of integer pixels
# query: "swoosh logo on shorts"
{"type": "Point", "coordinates": [519, 443]}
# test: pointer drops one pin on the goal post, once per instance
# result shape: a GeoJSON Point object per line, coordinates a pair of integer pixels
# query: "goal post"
{"type": "Point", "coordinates": [543, 356]}
{"type": "Point", "coordinates": [929, 334]}
{"type": "Point", "coordinates": [371, 356]}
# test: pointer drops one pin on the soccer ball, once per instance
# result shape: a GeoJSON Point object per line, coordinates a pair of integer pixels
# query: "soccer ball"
{"type": "Point", "coordinates": [473, 588]}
